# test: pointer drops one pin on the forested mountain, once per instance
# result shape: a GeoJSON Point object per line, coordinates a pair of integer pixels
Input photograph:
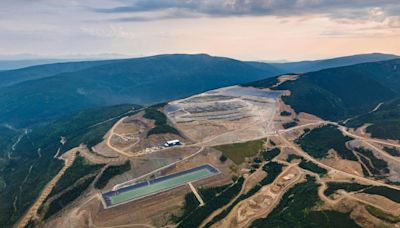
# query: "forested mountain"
{"type": "Point", "coordinates": [11, 77]}
{"type": "Point", "coordinates": [349, 92]}
{"type": "Point", "coordinates": [47, 92]}
{"type": "Point", "coordinates": [28, 166]}
{"type": "Point", "coordinates": [50, 67]}
{"type": "Point", "coordinates": [140, 81]}
{"type": "Point", "coordinates": [339, 93]}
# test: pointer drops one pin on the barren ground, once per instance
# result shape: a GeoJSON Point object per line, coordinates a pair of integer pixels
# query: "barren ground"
{"type": "Point", "coordinates": [223, 116]}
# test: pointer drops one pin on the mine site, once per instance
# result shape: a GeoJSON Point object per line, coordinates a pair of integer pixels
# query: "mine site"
{"type": "Point", "coordinates": [223, 116]}
{"type": "Point", "coordinates": [228, 157]}
{"type": "Point", "coordinates": [209, 114]}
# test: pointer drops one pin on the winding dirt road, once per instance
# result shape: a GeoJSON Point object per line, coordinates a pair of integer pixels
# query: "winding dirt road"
{"type": "Point", "coordinates": [231, 220]}
{"type": "Point", "coordinates": [68, 158]}
{"type": "Point", "coordinates": [330, 169]}
{"type": "Point", "coordinates": [111, 133]}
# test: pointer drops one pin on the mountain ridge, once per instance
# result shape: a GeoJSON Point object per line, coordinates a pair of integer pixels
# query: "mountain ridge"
{"type": "Point", "coordinates": [341, 82]}
{"type": "Point", "coordinates": [316, 65]}
{"type": "Point", "coordinates": [145, 81]}
{"type": "Point", "coordinates": [47, 92]}
{"type": "Point", "coordinates": [14, 76]}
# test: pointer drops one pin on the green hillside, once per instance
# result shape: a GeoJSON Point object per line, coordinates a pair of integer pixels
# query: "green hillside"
{"type": "Point", "coordinates": [33, 163]}
{"type": "Point", "coordinates": [340, 93]}
{"type": "Point", "coordinates": [11, 77]}
{"type": "Point", "coordinates": [383, 123]}
{"type": "Point", "coordinates": [47, 92]}
{"type": "Point", "coordinates": [141, 81]}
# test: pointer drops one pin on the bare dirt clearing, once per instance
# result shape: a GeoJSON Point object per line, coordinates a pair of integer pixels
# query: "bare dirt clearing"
{"type": "Point", "coordinates": [227, 115]}
{"type": "Point", "coordinates": [128, 137]}
{"type": "Point", "coordinates": [263, 201]}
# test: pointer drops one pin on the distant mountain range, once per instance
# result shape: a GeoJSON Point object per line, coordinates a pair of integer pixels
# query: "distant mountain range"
{"type": "Point", "coordinates": [16, 64]}
{"type": "Point", "coordinates": [11, 62]}
{"type": "Point", "coordinates": [308, 66]}
{"type": "Point", "coordinates": [12, 77]}
{"type": "Point", "coordinates": [47, 92]}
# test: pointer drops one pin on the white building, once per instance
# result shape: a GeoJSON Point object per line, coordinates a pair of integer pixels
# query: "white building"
{"type": "Point", "coordinates": [172, 143]}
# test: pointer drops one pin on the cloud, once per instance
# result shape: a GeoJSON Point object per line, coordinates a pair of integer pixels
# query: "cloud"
{"type": "Point", "coordinates": [151, 16]}
{"type": "Point", "coordinates": [224, 8]}
{"type": "Point", "coordinates": [259, 28]}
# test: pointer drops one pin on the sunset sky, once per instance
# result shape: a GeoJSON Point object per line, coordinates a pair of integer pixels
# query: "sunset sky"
{"type": "Point", "coordinates": [243, 29]}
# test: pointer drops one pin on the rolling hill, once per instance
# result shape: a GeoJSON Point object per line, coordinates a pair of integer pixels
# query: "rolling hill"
{"type": "Point", "coordinates": [31, 164]}
{"type": "Point", "coordinates": [349, 92]}
{"type": "Point", "coordinates": [141, 81]}
{"type": "Point", "coordinates": [41, 68]}
{"type": "Point", "coordinates": [11, 77]}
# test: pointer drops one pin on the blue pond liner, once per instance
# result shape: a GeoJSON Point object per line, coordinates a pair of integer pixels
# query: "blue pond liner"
{"type": "Point", "coordinates": [107, 195]}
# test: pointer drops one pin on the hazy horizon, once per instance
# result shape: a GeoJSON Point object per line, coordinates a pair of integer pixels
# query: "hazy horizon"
{"type": "Point", "coordinates": [105, 56]}
{"type": "Point", "coordinates": [289, 30]}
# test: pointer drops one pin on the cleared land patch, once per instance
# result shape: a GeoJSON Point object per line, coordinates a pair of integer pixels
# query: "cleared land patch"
{"type": "Point", "coordinates": [223, 116]}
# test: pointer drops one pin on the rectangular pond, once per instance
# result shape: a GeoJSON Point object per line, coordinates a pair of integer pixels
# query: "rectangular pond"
{"type": "Point", "coordinates": [157, 185]}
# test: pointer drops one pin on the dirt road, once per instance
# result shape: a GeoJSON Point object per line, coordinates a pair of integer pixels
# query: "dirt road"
{"type": "Point", "coordinates": [344, 130]}
{"type": "Point", "coordinates": [68, 158]}
{"type": "Point", "coordinates": [110, 135]}
{"type": "Point", "coordinates": [232, 219]}
{"type": "Point", "coordinates": [219, 210]}
{"type": "Point", "coordinates": [366, 140]}
{"type": "Point", "coordinates": [330, 169]}
{"type": "Point", "coordinates": [382, 152]}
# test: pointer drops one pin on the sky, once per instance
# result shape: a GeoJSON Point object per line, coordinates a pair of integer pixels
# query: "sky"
{"type": "Point", "coordinates": [243, 29]}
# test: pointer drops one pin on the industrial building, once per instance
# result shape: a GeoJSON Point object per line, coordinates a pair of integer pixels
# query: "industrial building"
{"type": "Point", "coordinates": [174, 142]}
